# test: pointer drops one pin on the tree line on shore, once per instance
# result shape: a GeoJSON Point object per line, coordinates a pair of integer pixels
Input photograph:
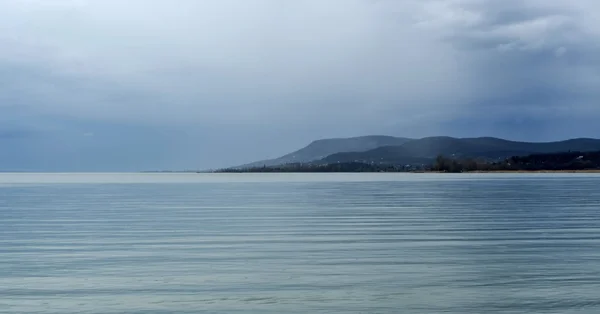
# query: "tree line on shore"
{"type": "Point", "coordinates": [333, 167]}
{"type": "Point", "coordinates": [533, 162]}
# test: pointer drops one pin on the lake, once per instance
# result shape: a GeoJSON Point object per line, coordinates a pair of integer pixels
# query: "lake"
{"type": "Point", "coordinates": [299, 243]}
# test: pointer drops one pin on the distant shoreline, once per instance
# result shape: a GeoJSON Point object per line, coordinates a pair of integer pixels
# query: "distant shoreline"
{"type": "Point", "coordinates": [516, 171]}
{"type": "Point", "coordinates": [538, 171]}
{"type": "Point", "coordinates": [418, 172]}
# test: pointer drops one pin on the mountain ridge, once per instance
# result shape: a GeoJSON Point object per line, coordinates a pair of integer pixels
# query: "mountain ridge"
{"type": "Point", "coordinates": [385, 149]}
{"type": "Point", "coordinates": [319, 149]}
{"type": "Point", "coordinates": [483, 147]}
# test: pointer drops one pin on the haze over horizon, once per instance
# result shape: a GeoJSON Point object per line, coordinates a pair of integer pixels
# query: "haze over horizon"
{"type": "Point", "coordinates": [147, 85]}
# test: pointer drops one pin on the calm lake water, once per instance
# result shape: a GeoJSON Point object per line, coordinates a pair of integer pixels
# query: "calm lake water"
{"type": "Point", "coordinates": [312, 243]}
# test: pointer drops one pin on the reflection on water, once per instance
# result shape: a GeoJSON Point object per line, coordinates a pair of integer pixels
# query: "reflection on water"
{"type": "Point", "coordinates": [124, 243]}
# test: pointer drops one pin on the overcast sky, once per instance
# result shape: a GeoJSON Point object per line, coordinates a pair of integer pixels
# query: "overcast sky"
{"type": "Point", "coordinates": [118, 85]}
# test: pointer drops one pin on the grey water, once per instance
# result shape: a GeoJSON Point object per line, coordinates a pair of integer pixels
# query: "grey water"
{"type": "Point", "coordinates": [299, 243]}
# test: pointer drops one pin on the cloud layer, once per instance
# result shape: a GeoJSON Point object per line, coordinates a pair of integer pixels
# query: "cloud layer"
{"type": "Point", "coordinates": [209, 76]}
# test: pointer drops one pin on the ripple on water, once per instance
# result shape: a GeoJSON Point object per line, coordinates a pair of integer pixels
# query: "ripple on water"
{"type": "Point", "coordinates": [129, 243]}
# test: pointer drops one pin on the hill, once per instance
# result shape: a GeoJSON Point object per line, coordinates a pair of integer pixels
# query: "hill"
{"type": "Point", "coordinates": [322, 148]}
{"type": "Point", "coordinates": [425, 150]}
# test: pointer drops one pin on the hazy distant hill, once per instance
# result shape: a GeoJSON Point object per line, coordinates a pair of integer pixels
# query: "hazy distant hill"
{"type": "Point", "coordinates": [426, 149]}
{"type": "Point", "coordinates": [322, 148]}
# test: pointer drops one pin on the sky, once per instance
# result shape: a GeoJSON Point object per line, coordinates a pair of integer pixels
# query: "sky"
{"type": "Point", "coordinates": [110, 85]}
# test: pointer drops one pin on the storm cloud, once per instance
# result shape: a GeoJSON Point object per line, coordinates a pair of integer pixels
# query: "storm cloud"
{"type": "Point", "coordinates": [197, 84]}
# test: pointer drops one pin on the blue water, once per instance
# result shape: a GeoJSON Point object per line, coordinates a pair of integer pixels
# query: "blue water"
{"type": "Point", "coordinates": [283, 243]}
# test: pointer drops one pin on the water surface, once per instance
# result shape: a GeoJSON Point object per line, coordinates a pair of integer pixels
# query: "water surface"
{"type": "Point", "coordinates": [299, 243]}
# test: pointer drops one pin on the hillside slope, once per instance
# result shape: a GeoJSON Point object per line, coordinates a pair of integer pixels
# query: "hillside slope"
{"type": "Point", "coordinates": [426, 149]}
{"type": "Point", "coordinates": [322, 148]}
